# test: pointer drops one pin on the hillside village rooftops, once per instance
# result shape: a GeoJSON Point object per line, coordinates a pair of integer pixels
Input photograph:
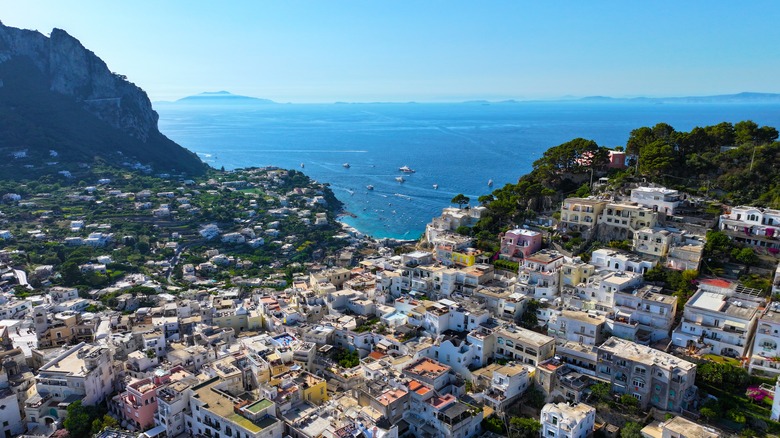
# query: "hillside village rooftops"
{"type": "Point", "coordinates": [428, 368]}
{"type": "Point", "coordinates": [545, 256]}
{"type": "Point", "coordinates": [644, 354]}
{"type": "Point", "coordinates": [772, 315]}
{"type": "Point", "coordinates": [508, 370]}
{"type": "Point", "coordinates": [526, 336]}
{"type": "Point", "coordinates": [738, 307]}
{"type": "Point", "coordinates": [689, 429]}
{"type": "Point", "coordinates": [419, 388]}
{"type": "Point", "coordinates": [585, 317]}
{"type": "Point", "coordinates": [620, 278]}
{"type": "Point", "coordinates": [222, 405]}
{"type": "Point", "coordinates": [523, 232]}
{"type": "Point", "coordinates": [390, 396]}
{"type": "Point", "coordinates": [647, 292]}
{"type": "Point", "coordinates": [661, 190]}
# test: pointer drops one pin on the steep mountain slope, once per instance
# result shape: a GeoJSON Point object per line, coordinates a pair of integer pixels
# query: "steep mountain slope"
{"type": "Point", "coordinates": [59, 103]}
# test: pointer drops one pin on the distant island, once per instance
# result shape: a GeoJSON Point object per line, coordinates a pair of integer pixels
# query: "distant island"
{"type": "Point", "coordinates": [745, 97]}
{"type": "Point", "coordinates": [220, 98]}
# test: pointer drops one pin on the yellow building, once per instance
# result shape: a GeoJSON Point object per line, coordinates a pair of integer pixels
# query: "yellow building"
{"type": "Point", "coordinates": [314, 389]}
{"type": "Point", "coordinates": [576, 272]}
{"type": "Point", "coordinates": [465, 257]}
{"type": "Point", "coordinates": [449, 255]}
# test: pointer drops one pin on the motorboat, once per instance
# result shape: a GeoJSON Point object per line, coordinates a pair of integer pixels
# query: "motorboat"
{"type": "Point", "coordinates": [369, 187]}
{"type": "Point", "coordinates": [406, 169]}
{"type": "Point", "coordinates": [400, 179]}
{"type": "Point", "coordinates": [490, 183]}
{"type": "Point", "coordinates": [346, 165]}
{"type": "Point", "coordinates": [435, 187]}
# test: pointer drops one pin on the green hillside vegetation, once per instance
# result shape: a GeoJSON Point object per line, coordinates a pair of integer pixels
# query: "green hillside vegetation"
{"type": "Point", "coordinates": [745, 172]}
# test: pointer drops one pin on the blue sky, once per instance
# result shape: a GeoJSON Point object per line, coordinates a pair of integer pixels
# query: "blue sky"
{"type": "Point", "coordinates": [350, 50]}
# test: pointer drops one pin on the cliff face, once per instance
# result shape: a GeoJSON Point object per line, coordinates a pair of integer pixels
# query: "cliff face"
{"type": "Point", "coordinates": [66, 69]}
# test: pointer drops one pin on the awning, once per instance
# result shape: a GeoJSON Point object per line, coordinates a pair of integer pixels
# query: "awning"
{"type": "Point", "coordinates": [153, 432]}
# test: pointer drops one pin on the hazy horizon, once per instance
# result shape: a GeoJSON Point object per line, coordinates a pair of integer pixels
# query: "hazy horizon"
{"type": "Point", "coordinates": [564, 98]}
{"type": "Point", "coordinates": [437, 51]}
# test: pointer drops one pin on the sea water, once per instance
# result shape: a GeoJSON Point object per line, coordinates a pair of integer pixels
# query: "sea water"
{"type": "Point", "coordinates": [460, 147]}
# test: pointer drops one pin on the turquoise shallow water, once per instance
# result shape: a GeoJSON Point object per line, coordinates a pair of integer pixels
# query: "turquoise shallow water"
{"type": "Point", "coordinates": [460, 147]}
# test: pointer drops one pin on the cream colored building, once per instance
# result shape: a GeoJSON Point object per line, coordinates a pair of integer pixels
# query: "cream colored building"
{"type": "Point", "coordinates": [627, 218]}
{"type": "Point", "coordinates": [581, 214]}
{"type": "Point", "coordinates": [653, 241]}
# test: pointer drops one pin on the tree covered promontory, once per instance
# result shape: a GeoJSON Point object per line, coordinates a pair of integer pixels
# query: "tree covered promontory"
{"type": "Point", "coordinates": [735, 163]}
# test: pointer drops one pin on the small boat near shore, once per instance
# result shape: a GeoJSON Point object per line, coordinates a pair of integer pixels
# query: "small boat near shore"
{"type": "Point", "coordinates": [490, 183]}
{"type": "Point", "coordinates": [302, 165]}
{"type": "Point", "coordinates": [406, 169]}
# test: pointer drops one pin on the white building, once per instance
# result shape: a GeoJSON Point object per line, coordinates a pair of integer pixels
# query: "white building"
{"type": "Point", "coordinates": [765, 356]}
{"type": "Point", "coordinates": [685, 256]}
{"type": "Point", "coordinates": [82, 372]}
{"type": "Point", "coordinates": [752, 226]}
{"type": "Point", "coordinates": [450, 220]}
{"type": "Point", "coordinates": [443, 416]}
{"type": "Point", "coordinates": [214, 411]}
{"type": "Point", "coordinates": [599, 291]}
{"type": "Point", "coordinates": [720, 318]}
{"type": "Point", "coordinates": [653, 241]}
{"type": "Point", "coordinates": [522, 345]}
{"type": "Point", "coordinates": [679, 427]}
{"type": "Point", "coordinates": [562, 420]}
{"type": "Point", "coordinates": [616, 260]}
{"type": "Point", "coordinates": [10, 416]}
{"type": "Point", "coordinates": [651, 376]}
{"type": "Point", "coordinates": [502, 383]}
{"type": "Point", "coordinates": [652, 312]}
{"type": "Point", "coordinates": [657, 198]}
{"type": "Point", "coordinates": [540, 275]}
{"type": "Point", "coordinates": [577, 326]}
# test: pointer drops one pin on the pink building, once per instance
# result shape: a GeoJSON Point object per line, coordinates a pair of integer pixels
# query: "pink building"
{"type": "Point", "coordinates": [138, 404]}
{"type": "Point", "coordinates": [519, 243]}
{"type": "Point", "coordinates": [617, 160]}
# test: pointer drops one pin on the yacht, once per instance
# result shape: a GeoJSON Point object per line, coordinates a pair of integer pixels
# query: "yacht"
{"type": "Point", "coordinates": [369, 187]}
{"type": "Point", "coordinates": [400, 179]}
{"type": "Point", "coordinates": [406, 169]}
{"type": "Point", "coordinates": [346, 165]}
